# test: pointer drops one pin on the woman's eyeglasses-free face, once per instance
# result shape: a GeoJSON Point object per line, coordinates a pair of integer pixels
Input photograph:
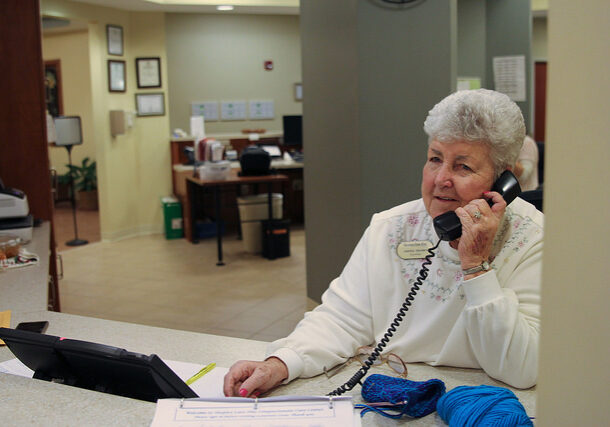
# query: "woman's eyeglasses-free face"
{"type": "Point", "coordinates": [362, 355]}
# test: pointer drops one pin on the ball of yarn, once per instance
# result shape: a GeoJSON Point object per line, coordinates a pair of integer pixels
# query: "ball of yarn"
{"type": "Point", "coordinates": [482, 406]}
{"type": "Point", "coordinates": [420, 396]}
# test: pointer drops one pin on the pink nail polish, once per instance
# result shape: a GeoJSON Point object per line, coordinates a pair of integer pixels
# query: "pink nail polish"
{"type": "Point", "coordinates": [256, 393]}
{"type": "Point", "coordinates": [243, 392]}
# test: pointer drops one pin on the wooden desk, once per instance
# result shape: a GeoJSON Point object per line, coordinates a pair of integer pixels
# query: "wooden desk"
{"type": "Point", "coordinates": [293, 190]}
{"type": "Point", "coordinates": [196, 185]}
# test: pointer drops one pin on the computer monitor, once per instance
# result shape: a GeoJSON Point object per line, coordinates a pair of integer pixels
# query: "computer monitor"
{"type": "Point", "coordinates": [293, 131]}
{"type": "Point", "coordinates": [68, 130]}
{"type": "Point", "coordinates": [95, 366]}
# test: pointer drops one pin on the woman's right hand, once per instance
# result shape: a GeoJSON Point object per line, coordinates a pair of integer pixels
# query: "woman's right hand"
{"type": "Point", "coordinates": [250, 378]}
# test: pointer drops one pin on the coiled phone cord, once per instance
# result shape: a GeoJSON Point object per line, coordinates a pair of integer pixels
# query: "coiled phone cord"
{"type": "Point", "coordinates": [357, 377]}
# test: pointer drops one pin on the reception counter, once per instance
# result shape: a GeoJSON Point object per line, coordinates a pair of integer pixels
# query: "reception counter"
{"type": "Point", "coordinates": [25, 401]}
{"type": "Point", "coordinates": [25, 288]}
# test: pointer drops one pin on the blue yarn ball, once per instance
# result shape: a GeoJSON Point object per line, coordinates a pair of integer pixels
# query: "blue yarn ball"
{"type": "Point", "coordinates": [421, 396]}
{"type": "Point", "coordinates": [482, 406]}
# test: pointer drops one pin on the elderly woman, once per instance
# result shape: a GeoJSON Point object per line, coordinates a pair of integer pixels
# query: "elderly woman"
{"type": "Point", "coordinates": [480, 304]}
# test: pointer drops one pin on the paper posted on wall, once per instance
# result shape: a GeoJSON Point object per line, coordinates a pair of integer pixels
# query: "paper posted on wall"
{"type": "Point", "coordinates": [510, 76]}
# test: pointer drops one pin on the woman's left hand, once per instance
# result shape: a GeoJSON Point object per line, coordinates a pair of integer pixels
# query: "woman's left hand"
{"type": "Point", "coordinates": [479, 226]}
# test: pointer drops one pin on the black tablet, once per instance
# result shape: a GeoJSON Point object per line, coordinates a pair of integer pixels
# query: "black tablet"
{"type": "Point", "coordinates": [95, 366]}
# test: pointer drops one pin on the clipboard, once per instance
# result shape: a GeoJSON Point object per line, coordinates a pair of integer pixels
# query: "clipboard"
{"type": "Point", "coordinates": [323, 411]}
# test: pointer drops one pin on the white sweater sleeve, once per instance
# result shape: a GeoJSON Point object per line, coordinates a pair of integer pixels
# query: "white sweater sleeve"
{"type": "Point", "coordinates": [330, 334]}
{"type": "Point", "coordinates": [503, 323]}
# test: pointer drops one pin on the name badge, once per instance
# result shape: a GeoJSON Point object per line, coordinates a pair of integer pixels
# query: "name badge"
{"type": "Point", "coordinates": [413, 250]}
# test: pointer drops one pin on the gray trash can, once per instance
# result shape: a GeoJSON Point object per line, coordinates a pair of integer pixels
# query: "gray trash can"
{"type": "Point", "coordinates": [253, 210]}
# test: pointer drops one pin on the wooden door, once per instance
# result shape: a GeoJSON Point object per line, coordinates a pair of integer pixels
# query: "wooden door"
{"type": "Point", "coordinates": [24, 158]}
{"type": "Point", "coordinates": [540, 101]}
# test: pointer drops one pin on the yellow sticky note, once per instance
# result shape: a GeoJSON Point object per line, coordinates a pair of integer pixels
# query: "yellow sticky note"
{"type": "Point", "coordinates": [5, 321]}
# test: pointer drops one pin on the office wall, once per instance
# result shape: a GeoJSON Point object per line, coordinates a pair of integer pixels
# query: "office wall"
{"type": "Point", "coordinates": [509, 32]}
{"type": "Point", "coordinates": [371, 74]}
{"type": "Point", "coordinates": [574, 354]}
{"type": "Point", "coordinates": [539, 39]}
{"type": "Point", "coordinates": [472, 30]}
{"type": "Point", "coordinates": [331, 129]}
{"type": "Point", "coordinates": [220, 58]}
{"type": "Point", "coordinates": [133, 169]}
{"type": "Point", "coordinates": [72, 50]}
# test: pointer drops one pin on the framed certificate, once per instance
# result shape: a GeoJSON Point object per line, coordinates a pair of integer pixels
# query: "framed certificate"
{"type": "Point", "coordinates": [116, 76]}
{"type": "Point", "coordinates": [148, 72]}
{"type": "Point", "coordinates": [150, 104]}
{"type": "Point", "coordinates": [114, 37]}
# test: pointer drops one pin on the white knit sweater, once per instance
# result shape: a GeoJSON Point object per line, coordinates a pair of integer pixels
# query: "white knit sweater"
{"type": "Point", "coordinates": [490, 322]}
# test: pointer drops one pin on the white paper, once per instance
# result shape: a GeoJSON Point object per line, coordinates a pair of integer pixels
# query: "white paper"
{"type": "Point", "coordinates": [261, 110]}
{"type": "Point", "coordinates": [50, 129]}
{"type": "Point", "coordinates": [148, 72]}
{"type": "Point", "coordinates": [233, 110]}
{"type": "Point", "coordinates": [209, 386]}
{"type": "Point", "coordinates": [150, 104]}
{"type": "Point", "coordinates": [117, 76]}
{"type": "Point", "coordinates": [15, 367]}
{"type": "Point", "coordinates": [207, 109]}
{"type": "Point", "coordinates": [467, 83]}
{"type": "Point", "coordinates": [509, 76]}
{"type": "Point", "coordinates": [197, 127]}
{"type": "Point", "coordinates": [269, 412]}
{"type": "Point", "coordinates": [273, 150]}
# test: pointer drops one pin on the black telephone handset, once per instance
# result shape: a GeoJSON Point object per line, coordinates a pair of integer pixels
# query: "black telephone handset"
{"type": "Point", "coordinates": [448, 226]}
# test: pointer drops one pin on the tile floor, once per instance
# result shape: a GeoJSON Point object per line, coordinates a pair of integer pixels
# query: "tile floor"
{"type": "Point", "coordinates": [175, 284]}
{"type": "Point", "coordinates": [87, 225]}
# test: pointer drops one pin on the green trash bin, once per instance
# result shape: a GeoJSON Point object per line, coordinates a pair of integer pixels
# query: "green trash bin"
{"type": "Point", "coordinates": [172, 215]}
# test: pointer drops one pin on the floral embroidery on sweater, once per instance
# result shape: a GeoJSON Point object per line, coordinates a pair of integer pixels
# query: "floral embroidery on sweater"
{"type": "Point", "coordinates": [445, 275]}
{"type": "Point", "coordinates": [435, 286]}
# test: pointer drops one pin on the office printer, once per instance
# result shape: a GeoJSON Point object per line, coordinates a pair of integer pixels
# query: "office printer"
{"type": "Point", "coordinates": [14, 213]}
{"type": "Point", "coordinates": [254, 161]}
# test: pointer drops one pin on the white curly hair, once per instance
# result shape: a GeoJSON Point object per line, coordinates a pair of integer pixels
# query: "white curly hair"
{"type": "Point", "coordinates": [483, 116]}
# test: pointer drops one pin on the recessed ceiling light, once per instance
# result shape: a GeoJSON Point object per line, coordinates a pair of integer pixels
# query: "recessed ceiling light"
{"type": "Point", "coordinates": [227, 7]}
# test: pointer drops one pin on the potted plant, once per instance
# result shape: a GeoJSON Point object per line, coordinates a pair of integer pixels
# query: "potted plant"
{"type": "Point", "coordinates": [85, 183]}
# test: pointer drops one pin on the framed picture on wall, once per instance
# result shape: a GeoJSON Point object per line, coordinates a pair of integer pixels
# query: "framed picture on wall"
{"type": "Point", "coordinates": [114, 37]}
{"type": "Point", "coordinates": [116, 76]}
{"type": "Point", "coordinates": [148, 72]}
{"type": "Point", "coordinates": [150, 104]}
{"type": "Point", "coordinates": [52, 86]}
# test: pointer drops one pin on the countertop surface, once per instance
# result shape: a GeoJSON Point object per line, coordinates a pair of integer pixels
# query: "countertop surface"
{"type": "Point", "coordinates": [25, 288]}
{"type": "Point", "coordinates": [25, 401]}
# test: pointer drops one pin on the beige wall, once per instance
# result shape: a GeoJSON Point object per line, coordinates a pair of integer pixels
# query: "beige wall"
{"type": "Point", "coordinates": [134, 168]}
{"type": "Point", "coordinates": [72, 50]}
{"type": "Point", "coordinates": [215, 58]}
{"type": "Point", "coordinates": [540, 4]}
{"type": "Point", "coordinates": [539, 39]}
{"type": "Point", "coordinates": [220, 58]}
{"type": "Point", "coordinates": [575, 336]}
